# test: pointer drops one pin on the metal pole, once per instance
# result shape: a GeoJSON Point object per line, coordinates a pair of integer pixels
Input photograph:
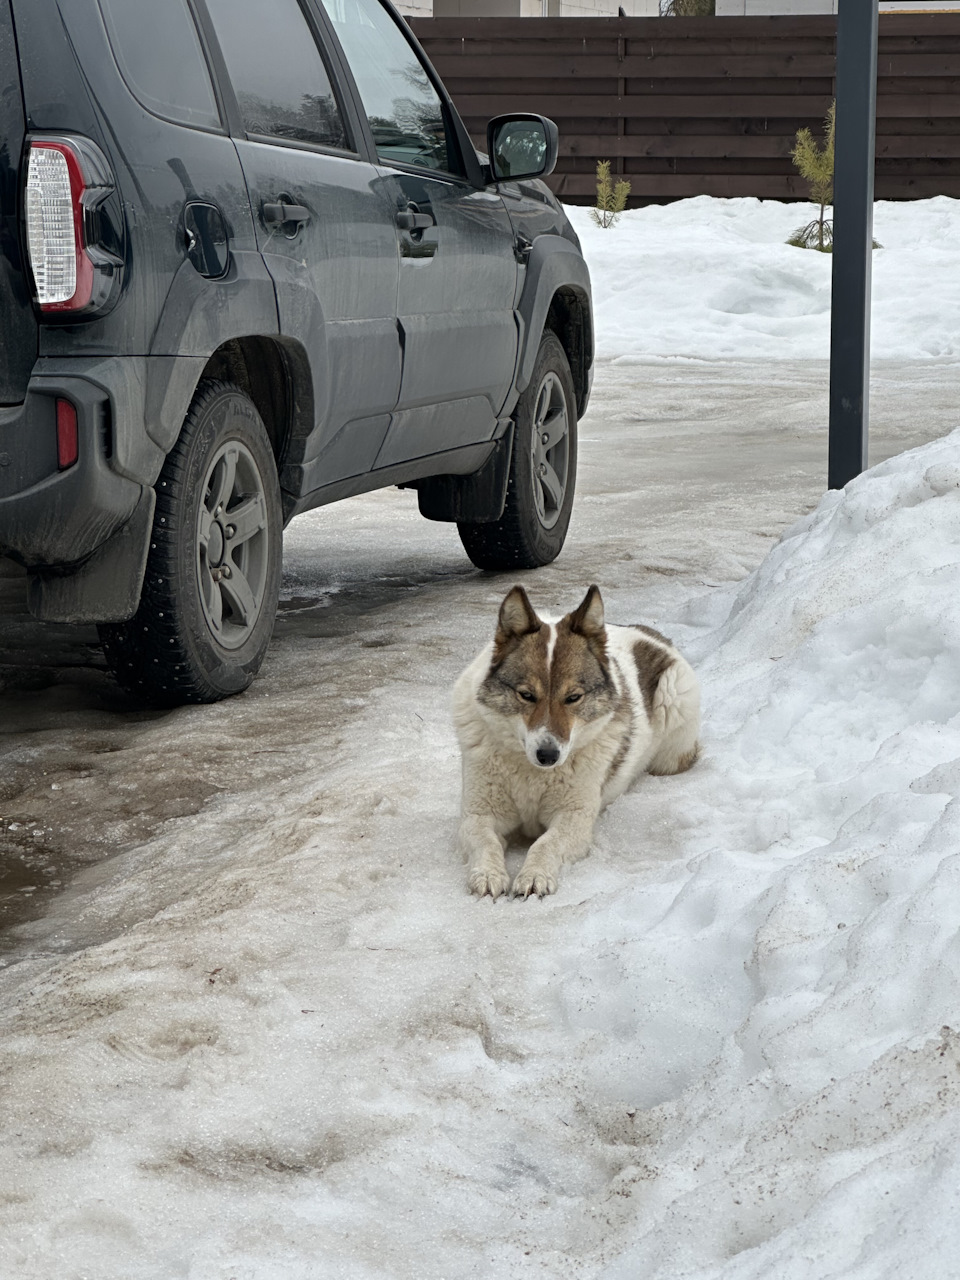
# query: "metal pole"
{"type": "Point", "coordinates": [852, 239]}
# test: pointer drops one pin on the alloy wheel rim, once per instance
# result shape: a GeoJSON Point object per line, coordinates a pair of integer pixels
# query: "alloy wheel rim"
{"type": "Point", "coordinates": [551, 450]}
{"type": "Point", "coordinates": [232, 545]}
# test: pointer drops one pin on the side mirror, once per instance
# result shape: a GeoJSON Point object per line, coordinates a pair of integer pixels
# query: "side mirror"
{"type": "Point", "coordinates": [522, 146]}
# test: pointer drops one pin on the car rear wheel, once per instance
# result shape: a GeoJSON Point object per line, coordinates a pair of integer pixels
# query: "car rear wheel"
{"type": "Point", "coordinates": [543, 471]}
{"type": "Point", "coordinates": [210, 590]}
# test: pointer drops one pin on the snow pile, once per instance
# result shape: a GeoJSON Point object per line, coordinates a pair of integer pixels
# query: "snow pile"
{"type": "Point", "coordinates": [710, 278]}
{"type": "Point", "coordinates": [776, 1011]}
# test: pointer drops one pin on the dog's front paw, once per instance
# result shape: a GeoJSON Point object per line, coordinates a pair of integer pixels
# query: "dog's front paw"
{"type": "Point", "coordinates": [534, 880]}
{"type": "Point", "coordinates": [486, 880]}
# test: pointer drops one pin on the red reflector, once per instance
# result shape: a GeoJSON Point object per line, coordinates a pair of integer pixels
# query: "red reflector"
{"type": "Point", "coordinates": [68, 449]}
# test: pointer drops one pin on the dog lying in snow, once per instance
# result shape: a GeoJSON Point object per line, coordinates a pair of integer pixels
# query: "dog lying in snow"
{"type": "Point", "coordinates": [555, 720]}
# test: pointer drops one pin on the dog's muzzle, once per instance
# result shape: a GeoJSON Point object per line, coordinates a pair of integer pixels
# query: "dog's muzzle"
{"type": "Point", "coordinates": [544, 750]}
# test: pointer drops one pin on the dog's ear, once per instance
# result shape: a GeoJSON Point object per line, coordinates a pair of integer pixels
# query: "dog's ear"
{"type": "Point", "coordinates": [587, 619]}
{"type": "Point", "coordinates": [517, 617]}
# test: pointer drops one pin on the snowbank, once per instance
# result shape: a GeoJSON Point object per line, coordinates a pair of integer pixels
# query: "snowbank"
{"type": "Point", "coordinates": [710, 279]}
{"type": "Point", "coordinates": [800, 959]}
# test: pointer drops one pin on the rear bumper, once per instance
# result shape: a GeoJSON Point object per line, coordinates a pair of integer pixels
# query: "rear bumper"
{"type": "Point", "coordinates": [53, 518]}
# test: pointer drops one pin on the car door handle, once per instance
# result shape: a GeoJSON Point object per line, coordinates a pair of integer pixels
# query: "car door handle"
{"type": "Point", "coordinates": [276, 213]}
{"type": "Point", "coordinates": [411, 219]}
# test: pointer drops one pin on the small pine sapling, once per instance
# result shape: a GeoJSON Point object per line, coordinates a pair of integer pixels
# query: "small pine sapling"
{"type": "Point", "coordinates": [611, 200]}
{"type": "Point", "coordinates": [815, 164]}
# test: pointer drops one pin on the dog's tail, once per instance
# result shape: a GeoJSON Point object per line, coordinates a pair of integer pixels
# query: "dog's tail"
{"type": "Point", "coordinates": [676, 716]}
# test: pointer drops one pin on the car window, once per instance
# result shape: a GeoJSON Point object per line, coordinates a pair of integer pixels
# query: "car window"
{"type": "Point", "coordinates": [405, 112]}
{"type": "Point", "coordinates": [278, 75]}
{"type": "Point", "coordinates": [159, 55]}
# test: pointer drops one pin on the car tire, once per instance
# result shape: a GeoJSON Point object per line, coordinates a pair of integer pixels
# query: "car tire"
{"type": "Point", "coordinates": [210, 590]}
{"type": "Point", "coordinates": [543, 471]}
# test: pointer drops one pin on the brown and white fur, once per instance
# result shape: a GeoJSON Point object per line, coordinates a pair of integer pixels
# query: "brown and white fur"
{"type": "Point", "coordinates": [555, 720]}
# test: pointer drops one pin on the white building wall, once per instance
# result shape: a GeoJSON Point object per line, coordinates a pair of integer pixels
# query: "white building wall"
{"type": "Point", "coordinates": [759, 8]}
{"type": "Point", "coordinates": [529, 8]}
{"type": "Point", "coordinates": [609, 8]}
{"type": "Point", "coordinates": [641, 8]}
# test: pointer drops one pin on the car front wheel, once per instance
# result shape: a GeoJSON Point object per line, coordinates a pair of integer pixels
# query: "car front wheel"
{"type": "Point", "coordinates": [210, 591]}
{"type": "Point", "coordinates": [543, 471]}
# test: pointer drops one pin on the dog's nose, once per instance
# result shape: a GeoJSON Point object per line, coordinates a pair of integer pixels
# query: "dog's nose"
{"type": "Point", "coordinates": [548, 755]}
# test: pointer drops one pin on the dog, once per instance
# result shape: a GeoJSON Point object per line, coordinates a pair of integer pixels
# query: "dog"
{"type": "Point", "coordinates": [555, 720]}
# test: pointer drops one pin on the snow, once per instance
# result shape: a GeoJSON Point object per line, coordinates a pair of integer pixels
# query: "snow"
{"type": "Point", "coordinates": [278, 1040]}
{"type": "Point", "coordinates": [708, 278]}
{"type": "Point", "coordinates": [809, 933]}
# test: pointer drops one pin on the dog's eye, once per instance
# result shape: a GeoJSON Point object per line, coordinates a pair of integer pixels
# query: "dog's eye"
{"type": "Point", "coordinates": [572, 697]}
{"type": "Point", "coordinates": [526, 695]}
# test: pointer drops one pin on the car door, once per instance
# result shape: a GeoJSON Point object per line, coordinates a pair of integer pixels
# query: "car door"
{"type": "Point", "coordinates": [458, 270]}
{"type": "Point", "coordinates": [325, 236]}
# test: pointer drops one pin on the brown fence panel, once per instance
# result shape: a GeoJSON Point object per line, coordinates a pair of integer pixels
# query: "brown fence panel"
{"type": "Point", "coordinates": [704, 106]}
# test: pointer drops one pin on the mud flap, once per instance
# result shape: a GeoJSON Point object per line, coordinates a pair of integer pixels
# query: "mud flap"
{"type": "Point", "coordinates": [477, 498]}
{"type": "Point", "coordinates": [106, 587]}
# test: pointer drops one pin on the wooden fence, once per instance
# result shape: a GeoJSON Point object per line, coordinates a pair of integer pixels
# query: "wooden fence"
{"type": "Point", "coordinates": [704, 106]}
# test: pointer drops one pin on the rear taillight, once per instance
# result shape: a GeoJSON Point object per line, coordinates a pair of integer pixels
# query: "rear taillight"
{"type": "Point", "coordinates": [62, 272]}
{"type": "Point", "coordinates": [67, 181]}
{"type": "Point", "coordinates": [68, 446]}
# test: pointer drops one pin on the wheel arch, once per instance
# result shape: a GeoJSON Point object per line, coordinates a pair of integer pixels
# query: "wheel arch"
{"type": "Point", "coordinates": [569, 317]}
{"type": "Point", "coordinates": [275, 374]}
{"type": "Point", "coordinates": [557, 296]}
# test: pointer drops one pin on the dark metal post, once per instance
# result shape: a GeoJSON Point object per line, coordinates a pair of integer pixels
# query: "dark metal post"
{"type": "Point", "coordinates": [852, 238]}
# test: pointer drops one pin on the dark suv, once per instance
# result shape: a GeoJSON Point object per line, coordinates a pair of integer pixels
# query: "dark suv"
{"type": "Point", "coordinates": [250, 263]}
